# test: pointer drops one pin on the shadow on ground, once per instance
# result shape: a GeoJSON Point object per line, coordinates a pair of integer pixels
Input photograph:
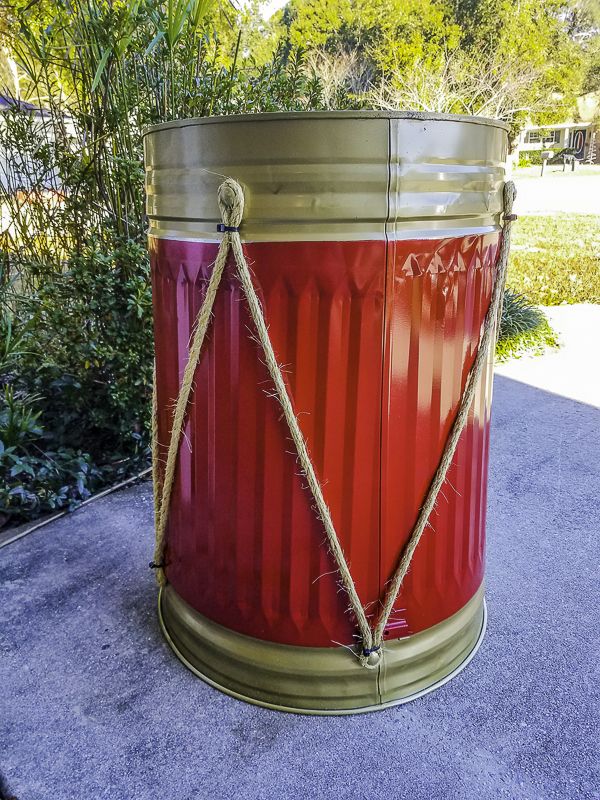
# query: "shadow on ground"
{"type": "Point", "coordinates": [96, 706]}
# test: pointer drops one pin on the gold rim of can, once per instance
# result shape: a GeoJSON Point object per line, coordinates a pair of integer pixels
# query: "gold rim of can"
{"type": "Point", "coordinates": [285, 115]}
{"type": "Point", "coordinates": [341, 176]}
{"type": "Point", "coordinates": [321, 681]}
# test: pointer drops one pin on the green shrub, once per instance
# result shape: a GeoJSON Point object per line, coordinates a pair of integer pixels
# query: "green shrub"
{"type": "Point", "coordinates": [524, 329]}
{"type": "Point", "coordinates": [34, 478]}
{"type": "Point", "coordinates": [531, 158]}
{"type": "Point", "coordinates": [31, 485]}
{"type": "Point", "coordinates": [76, 321]}
{"type": "Point", "coordinates": [518, 316]}
{"type": "Point", "coordinates": [89, 342]}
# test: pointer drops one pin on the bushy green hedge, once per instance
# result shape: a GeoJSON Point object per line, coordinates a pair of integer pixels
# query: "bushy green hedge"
{"type": "Point", "coordinates": [34, 477]}
{"type": "Point", "coordinates": [533, 158]}
{"type": "Point", "coordinates": [77, 370]}
{"type": "Point", "coordinates": [76, 348]}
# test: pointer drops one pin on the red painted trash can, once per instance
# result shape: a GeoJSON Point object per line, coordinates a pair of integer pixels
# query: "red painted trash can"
{"type": "Point", "coordinates": [372, 239]}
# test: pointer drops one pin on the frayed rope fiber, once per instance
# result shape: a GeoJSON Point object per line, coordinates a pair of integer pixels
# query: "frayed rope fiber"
{"type": "Point", "coordinates": [231, 205]}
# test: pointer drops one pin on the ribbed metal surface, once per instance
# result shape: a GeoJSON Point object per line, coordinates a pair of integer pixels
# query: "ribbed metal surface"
{"type": "Point", "coordinates": [318, 680]}
{"type": "Point", "coordinates": [280, 166]}
{"type": "Point", "coordinates": [445, 178]}
{"type": "Point", "coordinates": [244, 546]}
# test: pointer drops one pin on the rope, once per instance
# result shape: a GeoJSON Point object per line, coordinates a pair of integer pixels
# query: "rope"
{"type": "Point", "coordinates": [231, 205]}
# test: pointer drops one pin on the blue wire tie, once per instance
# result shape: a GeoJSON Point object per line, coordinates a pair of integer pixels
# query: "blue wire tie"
{"type": "Point", "coordinates": [368, 650]}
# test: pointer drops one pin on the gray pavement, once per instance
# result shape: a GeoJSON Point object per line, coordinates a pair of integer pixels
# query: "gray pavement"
{"type": "Point", "coordinates": [558, 192]}
{"type": "Point", "coordinates": [571, 370]}
{"type": "Point", "coordinates": [94, 705]}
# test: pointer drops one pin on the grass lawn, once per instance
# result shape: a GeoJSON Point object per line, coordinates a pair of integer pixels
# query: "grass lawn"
{"type": "Point", "coordinates": [556, 171]}
{"type": "Point", "coordinates": [556, 259]}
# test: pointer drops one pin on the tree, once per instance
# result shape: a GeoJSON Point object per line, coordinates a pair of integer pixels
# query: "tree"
{"type": "Point", "coordinates": [534, 36]}
{"type": "Point", "coordinates": [494, 86]}
{"type": "Point", "coordinates": [522, 59]}
{"type": "Point", "coordinates": [391, 34]}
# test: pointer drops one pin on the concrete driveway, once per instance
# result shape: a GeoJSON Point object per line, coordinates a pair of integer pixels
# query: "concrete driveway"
{"type": "Point", "coordinates": [94, 704]}
{"type": "Point", "coordinates": [558, 192]}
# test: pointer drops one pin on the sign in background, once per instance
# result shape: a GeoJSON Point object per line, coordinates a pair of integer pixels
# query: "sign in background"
{"type": "Point", "coordinates": [578, 142]}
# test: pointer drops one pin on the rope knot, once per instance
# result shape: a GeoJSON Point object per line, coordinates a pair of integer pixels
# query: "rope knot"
{"type": "Point", "coordinates": [230, 198]}
{"type": "Point", "coordinates": [370, 656]}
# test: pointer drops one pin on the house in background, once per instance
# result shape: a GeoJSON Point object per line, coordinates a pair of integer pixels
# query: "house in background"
{"type": "Point", "coordinates": [22, 174]}
{"type": "Point", "coordinates": [582, 133]}
{"type": "Point", "coordinates": [15, 172]}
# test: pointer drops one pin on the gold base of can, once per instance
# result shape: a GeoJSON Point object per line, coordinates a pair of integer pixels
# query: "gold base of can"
{"type": "Point", "coordinates": [320, 680]}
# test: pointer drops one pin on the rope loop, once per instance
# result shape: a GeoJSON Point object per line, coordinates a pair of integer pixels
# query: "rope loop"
{"type": "Point", "coordinates": [230, 198]}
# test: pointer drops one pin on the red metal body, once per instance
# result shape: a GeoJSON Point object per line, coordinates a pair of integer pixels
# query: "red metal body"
{"type": "Point", "coordinates": [377, 339]}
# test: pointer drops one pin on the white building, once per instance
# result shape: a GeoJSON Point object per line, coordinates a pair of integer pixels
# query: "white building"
{"type": "Point", "coordinates": [581, 136]}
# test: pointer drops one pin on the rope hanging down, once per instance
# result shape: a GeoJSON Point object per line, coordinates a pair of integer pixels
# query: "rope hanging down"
{"type": "Point", "coordinates": [231, 204]}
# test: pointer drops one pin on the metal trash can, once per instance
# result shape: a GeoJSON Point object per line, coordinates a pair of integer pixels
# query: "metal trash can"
{"type": "Point", "coordinates": [372, 239]}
